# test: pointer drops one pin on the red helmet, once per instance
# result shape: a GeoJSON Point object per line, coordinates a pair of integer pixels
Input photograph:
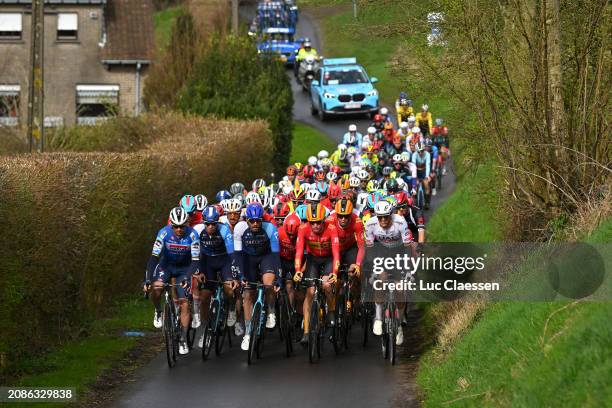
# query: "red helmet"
{"type": "Point", "coordinates": [336, 169]}
{"type": "Point", "coordinates": [378, 118]}
{"type": "Point", "coordinates": [444, 130]}
{"type": "Point", "coordinates": [435, 130]}
{"type": "Point", "coordinates": [309, 171]}
{"type": "Point", "coordinates": [292, 223]}
{"type": "Point", "coordinates": [281, 210]}
{"type": "Point", "coordinates": [334, 191]}
{"type": "Point", "coordinates": [320, 175]}
{"type": "Point", "coordinates": [402, 198]}
{"type": "Point", "coordinates": [297, 195]}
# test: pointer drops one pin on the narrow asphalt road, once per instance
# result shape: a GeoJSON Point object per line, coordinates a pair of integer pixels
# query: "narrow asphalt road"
{"type": "Point", "coordinates": [357, 378]}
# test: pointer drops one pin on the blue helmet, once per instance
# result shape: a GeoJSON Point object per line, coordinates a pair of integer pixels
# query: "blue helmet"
{"type": "Point", "coordinates": [439, 122]}
{"type": "Point", "coordinates": [254, 212]}
{"type": "Point", "coordinates": [188, 203]}
{"type": "Point", "coordinates": [223, 195]}
{"type": "Point", "coordinates": [210, 214]}
{"type": "Point", "coordinates": [301, 210]}
{"type": "Point", "coordinates": [322, 186]}
{"type": "Point", "coordinates": [403, 95]}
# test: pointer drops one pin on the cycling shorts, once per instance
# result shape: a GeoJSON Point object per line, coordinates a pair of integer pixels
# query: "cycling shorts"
{"type": "Point", "coordinates": [216, 268]}
{"type": "Point", "coordinates": [318, 266]}
{"type": "Point", "coordinates": [420, 174]}
{"type": "Point", "coordinates": [165, 273]}
{"type": "Point", "coordinates": [288, 267]}
{"type": "Point", "coordinates": [349, 256]}
{"type": "Point", "coordinates": [257, 265]}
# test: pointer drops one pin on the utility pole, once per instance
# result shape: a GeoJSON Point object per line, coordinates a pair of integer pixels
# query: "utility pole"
{"type": "Point", "coordinates": [234, 5]}
{"type": "Point", "coordinates": [36, 115]}
{"type": "Point", "coordinates": [355, 9]}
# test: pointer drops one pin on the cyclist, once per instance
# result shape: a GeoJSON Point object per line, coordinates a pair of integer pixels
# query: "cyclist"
{"type": "Point", "coordinates": [232, 210]}
{"type": "Point", "coordinates": [424, 120]}
{"type": "Point", "coordinates": [433, 153]}
{"type": "Point", "coordinates": [378, 123]}
{"type": "Point", "coordinates": [422, 160]}
{"type": "Point", "coordinates": [350, 234]}
{"type": "Point", "coordinates": [352, 137]}
{"type": "Point", "coordinates": [391, 231]}
{"type": "Point", "coordinates": [403, 107]}
{"type": "Point", "coordinates": [217, 251]}
{"type": "Point", "coordinates": [404, 132]}
{"type": "Point", "coordinates": [292, 172]}
{"type": "Point", "coordinates": [321, 242]}
{"type": "Point", "coordinates": [414, 219]}
{"type": "Point", "coordinates": [281, 211]}
{"type": "Point", "coordinates": [441, 141]}
{"type": "Point", "coordinates": [175, 255]}
{"type": "Point", "coordinates": [339, 157]}
{"type": "Point", "coordinates": [257, 254]}
{"type": "Point", "coordinates": [384, 113]}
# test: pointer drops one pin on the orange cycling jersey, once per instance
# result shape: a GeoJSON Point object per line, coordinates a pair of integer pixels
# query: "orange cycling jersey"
{"type": "Point", "coordinates": [320, 245]}
{"type": "Point", "coordinates": [352, 235]}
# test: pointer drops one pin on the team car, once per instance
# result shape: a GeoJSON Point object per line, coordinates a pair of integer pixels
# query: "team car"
{"type": "Point", "coordinates": [279, 42]}
{"type": "Point", "coordinates": [341, 86]}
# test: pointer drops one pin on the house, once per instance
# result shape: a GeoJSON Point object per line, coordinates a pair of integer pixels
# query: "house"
{"type": "Point", "coordinates": [97, 54]}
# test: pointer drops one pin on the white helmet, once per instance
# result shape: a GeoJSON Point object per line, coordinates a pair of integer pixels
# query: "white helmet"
{"type": "Point", "coordinates": [405, 157]}
{"type": "Point", "coordinates": [252, 197]}
{"type": "Point", "coordinates": [354, 182]}
{"type": "Point", "coordinates": [325, 162]}
{"type": "Point", "coordinates": [404, 125]}
{"type": "Point", "coordinates": [384, 111]}
{"type": "Point", "coordinates": [268, 197]}
{"type": "Point", "coordinates": [371, 129]}
{"type": "Point", "coordinates": [397, 157]}
{"type": "Point", "coordinates": [362, 201]}
{"type": "Point", "coordinates": [312, 161]}
{"type": "Point", "coordinates": [411, 119]}
{"type": "Point", "coordinates": [287, 189]}
{"type": "Point", "coordinates": [342, 146]}
{"type": "Point", "coordinates": [355, 169]}
{"type": "Point", "coordinates": [352, 128]}
{"type": "Point", "coordinates": [313, 195]}
{"type": "Point", "coordinates": [363, 175]}
{"type": "Point", "coordinates": [258, 183]}
{"type": "Point", "coordinates": [383, 208]}
{"type": "Point", "coordinates": [365, 144]}
{"type": "Point", "coordinates": [415, 129]}
{"type": "Point", "coordinates": [323, 154]}
{"type": "Point", "coordinates": [425, 107]}
{"type": "Point", "coordinates": [331, 176]}
{"type": "Point", "coordinates": [201, 202]}
{"type": "Point", "coordinates": [224, 204]}
{"type": "Point", "coordinates": [178, 216]}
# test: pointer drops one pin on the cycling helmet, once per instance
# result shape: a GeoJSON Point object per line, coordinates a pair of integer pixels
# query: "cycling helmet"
{"type": "Point", "coordinates": [240, 199]}
{"type": "Point", "coordinates": [425, 107]}
{"type": "Point", "coordinates": [352, 150]}
{"type": "Point", "coordinates": [298, 166]}
{"type": "Point", "coordinates": [428, 142]}
{"type": "Point", "coordinates": [201, 202]}
{"type": "Point", "coordinates": [342, 151]}
{"type": "Point", "coordinates": [372, 199]}
{"type": "Point", "coordinates": [224, 204]}
{"type": "Point", "coordinates": [405, 157]}
{"type": "Point", "coordinates": [378, 118]}
{"type": "Point", "coordinates": [402, 199]}
{"type": "Point", "coordinates": [439, 121]}
{"type": "Point", "coordinates": [188, 203]}
{"type": "Point", "coordinates": [371, 130]}
{"type": "Point", "coordinates": [307, 44]}
{"type": "Point", "coordinates": [313, 195]}
{"type": "Point", "coordinates": [404, 126]}
{"type": "Point", "coordinates": [403, 95]}
{"type": "Point", "coordinates": [444, 130]}
{"type": "Point", "coordinates": [334, 191]}
{"type": "Point", "coordinates": [383, 208]}
{"type": "Point", "coordinates": [287, 189]}
{"type": "Point", "coordinates": [372, 186]}
{"type": "Point", "coordinates": [392, 185]}
{"type": "Point", "coordinates": [435, 130]}
{"type": "Point", "coordinates": [388, 126]}
{"type": "Point", "coordinates": [258, 183]}
{"type": "Point", "coordinates": [384, 111]}
{"type": "Point", "coordinates": [309, 171]}
{"type": "Point", "coordinates": [344, 206]}
{"type": "Point", "coordinates": [236, 188]}
{"type": "Point", "coordinates": [336, 169]}
{"type": "Point", "coordinates": [254, 212]}
{"type": "Point", "coordinates": [415, 130]}
{"type": "Point", "coordinates": [323, 154]}
{"type": "Point", "coordinates": [401, 183]}
{"type": "Point", "coordinates": [352, 128]}
{"type": "Point", "coordinates": [281, 210]}
{"type": "Point", "coordinates": [391, 200]}
{"type": "Point", "coordinates": [362, 201]}
{"type": "Point", "coordinates": [419, 147]}
{"type": "Point", "coordinates": [331, 176]}
{"type": "Point", "coordinates": [292, 224]}
{"type": "Point", "coordinates": [320, 175]}
{"type": "Point", "coordinates": [233, 205]}
{"type": "Point", "coordinates": [178, 216]}
{"type": "Point", "coordinates": [354, 182]}
{"type": "Point", "coordinates": [252, 197]}
{"type": "Point", "coordinates": [326, 163]}
{"type": "Point", "coordinates": [315, 212]}
{"type": "Point", "coordinates": [210, 214]}
{"type": "Point", "coordinates": [387, 170]}
{"type": "Point", "coordinates": [322, 187]}
{"type": "Point", "coordinates": [312, 161]}
{"type": "Point", "coordinates": [297, 194]}
{"type": "Point", "coordinates": [363, 175]}
{"type": "Point", "coordinates": [397, 158]}
{"type": "Point", "coordinates": [292, 171]}
{"type": "Point", "coordinates": [411, 120]}
{"type": "Point", "coordinates": [223, 195]}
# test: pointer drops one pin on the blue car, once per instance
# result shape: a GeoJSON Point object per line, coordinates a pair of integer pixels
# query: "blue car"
{"type": "Point", "coordinates": [341, 86]}
{"type": "Point", "coordinates": [280, 43]}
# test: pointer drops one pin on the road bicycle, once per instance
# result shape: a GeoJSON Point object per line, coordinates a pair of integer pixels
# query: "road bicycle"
{"type": "Point", "coordinates": [344, 307]}
{"type": "Point", "coordinates": [257, 325]}
{"type": "Point", "coordinates": [391, 322]}
{"type": "Point", "coordinates": [286, 321]}
{"type": "Point", "coordinates": [318, 319]}
{"type": "Point", "coordinates": [215, 326]}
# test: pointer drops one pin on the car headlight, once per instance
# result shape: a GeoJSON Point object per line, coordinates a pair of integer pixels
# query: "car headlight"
{"type": "Point", "coordinates": [328, 95]}
{"type": "Point", "coordinates": [373, 92]}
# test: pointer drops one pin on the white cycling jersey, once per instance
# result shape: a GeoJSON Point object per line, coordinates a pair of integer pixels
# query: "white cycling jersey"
{"type": "Point", "coordinates": [396, 235]}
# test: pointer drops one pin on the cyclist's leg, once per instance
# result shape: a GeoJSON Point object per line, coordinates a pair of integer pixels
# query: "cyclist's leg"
{"type": "Point", "coordinates": [181, 274]}
{"type": "Point", "coordinates": [269, 268]}
{"type": "Point", "coordinates": [288, 268]}
{"type": "Point", "coordinates": [325, 271]}
{"type": "Point", "coordinates": [251, 274]}
{"type": "Point", "coordinates": [160, 278]}
{"type": "Point", "coordinates": [311, 272]}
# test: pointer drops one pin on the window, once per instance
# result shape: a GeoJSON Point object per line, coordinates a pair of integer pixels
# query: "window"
{"type": "Point", "coordinates": [9, 105]}
{"type": "Point", "coordinates": [67, 26]}
{"type": "Point", "coordinates": [10, 26]}
{"type": "Point", "coordinates": [95, 103]}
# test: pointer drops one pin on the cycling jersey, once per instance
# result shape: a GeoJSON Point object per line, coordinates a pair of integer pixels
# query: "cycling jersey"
{"type": "Point", "coordinates": [287, 245]}
{"type": "Point", "coordinates": [351, 236]}
{"type": "Point", "coordinates": [335, 159]}
{"type": "Point", "coordinates": [256, 243]}
{"type": "Point", "coordinates": [326, 203]}
{"type": "Point", "coordinates": [422, 163]}
{"type": "Point", "coordinates": [424, 121]}
{"type": "Point", "coordinates": [172, 251]}
{"type": "Point", "coordinates": [217, 244]}
{"type": "Point", "coordinates": [358, 139]}
{"type": "Point", "coordinates": [321, 245]}
{"type": "Point", "coordinates": [394, 236]}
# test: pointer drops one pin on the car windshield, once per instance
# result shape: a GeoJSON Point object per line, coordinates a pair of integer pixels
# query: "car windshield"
{"type": "Point", "coordinates": [281, 37]}
{"type": "Point", "coordinates": [343, 77]}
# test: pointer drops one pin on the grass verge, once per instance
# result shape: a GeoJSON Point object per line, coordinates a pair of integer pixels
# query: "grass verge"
{"type": "Point", "coordinates": [308, 141]}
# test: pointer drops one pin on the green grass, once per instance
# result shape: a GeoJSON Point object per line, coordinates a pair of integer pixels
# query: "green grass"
{"type": "Point", "coordinates": [78, 363]}
{"type": "Point", "coordinates": [308, 141]}
{"type": "Point", "coordinates": [164, 21]}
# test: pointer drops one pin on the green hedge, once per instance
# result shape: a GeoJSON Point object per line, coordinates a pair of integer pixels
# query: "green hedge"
{"type": "Point", "coordinates": [80, 225]}
{"type": "Point", "coordinates": [232, 80]}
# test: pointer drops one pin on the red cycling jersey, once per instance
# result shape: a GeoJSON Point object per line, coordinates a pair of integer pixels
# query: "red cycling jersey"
{"type": "Point", "coordinates": [321, 245]}
{"type": "Point", "coordinates": [326, 203]}
{"type": "Point", "coordinates": [287, 245]}
{"type": "Point", "coordinates": [353, 234]}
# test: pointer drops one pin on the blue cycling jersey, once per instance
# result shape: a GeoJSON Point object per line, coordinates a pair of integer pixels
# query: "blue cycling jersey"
{"type": "Point", "coordinates": [423, 163]}
{"type": "Point", "coordinates": [219, 243]}
{"type": "Point", "coordinates": [170, 250]}
{"type": "Point", "coordinates": [256, 243]}
{"type": "Point", "coordinates": [358, 139]}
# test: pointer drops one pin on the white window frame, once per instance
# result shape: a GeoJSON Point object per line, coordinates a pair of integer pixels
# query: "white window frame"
{"type": "Point", "coordinates": [10, 90]}
{"type": "Point", "coordinates": [95, 94]}
{"type": "Point", "coordinates": [67, 22]}
{"type": "Point", "coordinates": [11, 23]}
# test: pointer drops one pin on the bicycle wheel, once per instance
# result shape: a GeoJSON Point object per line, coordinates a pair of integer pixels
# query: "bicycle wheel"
{"type": "Point", "coordinates": [367, 323]}
{"type": "Point", "coordinates": [421, 197]}
{"type": "Point", "coordinates": [285, 323]}
{"type": "Point", "coordinates": [393, 322]}
{"type": "Point", "coordinates": [221, 333]}
{"type": "Point", "coordinates": [169, 336]}
{"type": "Point", "coordinates": [261, 334]}
{"type": "Point", "coordinates": [439, 179]}
{"type": "Point", "coordinates": [337, 328]}
{"type": "Point", "coordinates": [384, 339]}
{"type": "Point", "coordinates": [314, 351]}
{"type": "Point", "coordinates": [210, 328]}
{"type": "Point", "coordinates": [253, 333]}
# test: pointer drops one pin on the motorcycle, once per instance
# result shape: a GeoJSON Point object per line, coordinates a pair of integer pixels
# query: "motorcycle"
{"type": "Point", "coordinates": [306, 72]}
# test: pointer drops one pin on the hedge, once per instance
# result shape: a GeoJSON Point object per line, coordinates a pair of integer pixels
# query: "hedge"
{"type": "Point", "coordinates": [79, 226]}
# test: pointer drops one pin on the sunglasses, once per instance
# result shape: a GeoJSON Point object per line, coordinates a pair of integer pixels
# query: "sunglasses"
{"type": "Point", "coordinates": [179, 226]}
{"type": "Point", "coordinates": [210, 223]}
{"type": "Point", "coordinates": [343, 216]}
{"type": "Point", "coordinates": [254, 220]}
{"type": "Point", "coordinates": [316, 222]}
